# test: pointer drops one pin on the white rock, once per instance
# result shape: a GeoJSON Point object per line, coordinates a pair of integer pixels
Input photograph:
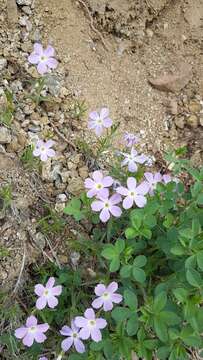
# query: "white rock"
{"type": "Point", "coordinates": [24, 2]}
{"type": "Point", "coordinates": [5, 135]}
{"type": "Point", "coordinates": [3, 63]}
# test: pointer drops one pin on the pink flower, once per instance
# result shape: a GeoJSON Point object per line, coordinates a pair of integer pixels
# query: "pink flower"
{"type": "Point", "coordinates": [130, 139]}
{"type": "Point", "coordinates": [106, 296]}
{"type": "Point", "coordinates": [44, 59]}
{"type": "Point", "coordinates": [134, 194]}
{"type": "Point", "coordinates": [43, 149]}
{"type": "Point", "coordinates": [99, 120]}
{"type": "Point", "coordinates": [47, 294]}
{"type": "Point", "coordinates": [132, 159]}
{"type": "Point", "coordinates": [98, 184]}
{"type": "Point", "coordinates": [32, 332]}
{"type": "Point", "coordinates": [107, 205]}
{"type": "Point", "coordinates": [90, 325]}
{"type": "Point", "coordinates": [73, 338]}
{"type": "Point", "coordinates": [152, 180]}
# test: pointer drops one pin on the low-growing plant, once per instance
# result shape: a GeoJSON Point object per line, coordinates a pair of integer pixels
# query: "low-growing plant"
{"type": "Point", "coordinates": [137, 291]}
{"type": "Point", "coordinates": [7, 111]}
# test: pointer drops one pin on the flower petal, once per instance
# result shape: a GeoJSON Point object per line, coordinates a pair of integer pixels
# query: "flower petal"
{"type": "Point", "coordinates": [42, 68]}
{"type": "Point", "coordinates": [99, 130]}
{"type": "Point", "coordinates": [132, 166]}
{"type": "Point", "coordinates": [112, 287]}
{"type": "Point", "coordinates": [107, 122]}
{"type": "Point", "coordinates": [80, 321]}
{"type": "Point", "coordinates": [128, 202]}
{"type": "Point", "coordinates": [101, 323]}
{"type": "Point", "coordinates": [108, 305]}
{"type": "Point", "coordinates": [39, 337]}
{"type": "Point", "coordinates": [36, 152]}
{"type": "Point", "coordinates": [115, 211]}
{"type": "Point", "coordinates": [122, 190]}
{"type": "Point", "coordinates": [149, 177]}
{"type": "Point", "coordinates": [97, 205]}
{"type": "Point", "coordinates": [31, 321]}
{"type": "Point", "coordinates": [52, 302]}
{"type": "Point", "coordinates": [49, 51]}
{"type": "Point", "coordinates": [38, 49]}
{"type": "Point", "coordinates": [50, 283]}
{"type": "Point", "coordinates": [89, 183]}
{"type": "Point", "coordinates": [104, 112]}
{"type": "Point", "coordinates": [84, 333]}
{"type": "Point", "coordinates": [143, 188]}
{"type": "Point", "coordinates": [104, 215]}
{"type": "Point", "coordinates": [89, 314]}
{"type": "Point", "coordinates": [20, 332]}
{"type": "Point", "coordinates": [57, 290]}
{"type": "Point", "coordinates": [52, 63]}
{"type": "Point", "coordinates": [140, 201]}
{"type": "Point", "coordinates": [98, 303]}
{"type": "Point", "coordinates": [39, 289]}
{"type": "Point", "coordinates": [116, 298]}
{"type": "Point", "coordinates": [91, 193]}
{"type": "Point", "coordinates": [34, 58]}
{"type": "Point", "coordinates": [141, 159]}
{"type": "Point", "coordinates": [96, 334]}
{"type": "Point", "coordinates": [43, 327]}
{"type": "Point", "coordinates": [131, 182]}
{"type": "Point", "coordinates": [115, 199]}
{"type": "Point", "coordinates": [49, 143]}
{"type": "Point", "coordinates": [107, 181]}
{"type": "Point", "coordinates": [66, 331]}
{"type": "Point", "coordinates": [41, 302]}
{"type": "Point", "coordinates": [66, 344]}
{"type": "Point", "coordinates": [28, 339]}
{"type": "Point", "coordinates": [97, 176]}
{"type": "Point", "coordinates": [94, 115]}
{"type": "Point", "coordinates": [79, 346]}
{"type": "Point", "coordinates": [100, 289]}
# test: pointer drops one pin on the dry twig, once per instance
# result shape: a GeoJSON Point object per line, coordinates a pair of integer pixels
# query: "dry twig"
{"type": "Point", "coordinates": [92, 24]}
{"type": "Point", "coordinates": [62, 136]}
{"type": "Point", "coordinates": [21, 270]}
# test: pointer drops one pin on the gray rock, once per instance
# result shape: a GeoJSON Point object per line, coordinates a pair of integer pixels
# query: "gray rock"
{"type": "Point", "coordinates": [24, 2]}
{"type": "Point", "coordinates": [12, 12]}
{"type": "Point", "coordinates": [192, 121]}
{"type": "Point", "coordinates": [27, 10]}
{"type": "Point", "coordinates": [3, 63]}
{"type": "Point", "coordinates": [180, 122]}
{"type": "Point", "coordinates": [5, 135]}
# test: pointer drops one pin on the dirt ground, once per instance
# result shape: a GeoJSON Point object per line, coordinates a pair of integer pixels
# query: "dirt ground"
{"type": "Point", "coordinates": [143, 39]}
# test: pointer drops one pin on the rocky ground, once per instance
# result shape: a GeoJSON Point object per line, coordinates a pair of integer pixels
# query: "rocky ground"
{"type": "Point", "coordinates": [142, 59]}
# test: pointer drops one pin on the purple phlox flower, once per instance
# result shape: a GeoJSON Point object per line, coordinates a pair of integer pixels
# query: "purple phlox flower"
{"type": "Point", "coordinates": [132, 159]}
{"type": "Point", "coordinates": [47, 294]}
{"type": "Point", "coordinates": [97, 184]}
{"type": "Point", "coordinates": [32, 331]}
{"type": "Point", "coordinates": [106, 296]}
{"type": "Point", "coordinates": [130, 139]}
{"type": "Point", "coordinates": [73, 338]}
{"type": "Point", "coordinates": [44, 59]}
{"type": "Point", "coordinates": [133, 193]}
{"type": "Point", "coordinates": [99, 120]}
{"type": "Point", "coordinates": [152, 180]}
{"type": "Point", "coordinates": [43, 358]}
{"type": "Point", "coordinates": [90, 325]}
{"type": "Point", "coordinates": [43, 149]}
{"type": "Point", "coordinates": [107, 205]}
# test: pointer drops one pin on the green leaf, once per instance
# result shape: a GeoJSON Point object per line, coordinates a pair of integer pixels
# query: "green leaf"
{"type": "Point", "coordinates": [139, 275]}
{"type": "Point", "coordinates": [146, 233]}
{"type": "Point", "coordinates": [170, 318]}
{"type": "Point", "coordinates": [200, 199]}
{"type": "Point", "coordinates": [132, 325]}
{"type": "Point", "coordinates": [130, 299]}
{"type": "Point", "coordinates": [181, 294]}
{"type": "Point", "coordinates": [120, 313]}
{"type": "Point", "coordinates": [160, 329]}
{"type": "Point", "coordinates": [131, 233]}
{"type": "Point", "coordinates": [115, 264]}
{"type": "Point", "coordinates": [163, 352]}
{"type": "Point", "coordinates": [140, 261]}
{"type": "Point", "coordinates": [169, 219]}
{"type": "Point", "coordinates": [136, 221]}
{"type": "Point", "coordinates": [108, 252]}
{"type": "Point", "coordinates": [177, 250]}
{"type": "Point", "coordinates": [200, 259]}
{"type": "Point", "coordinates": [160, 301]}
{"type": "Point", "coordinates": [125, 271]}
{"type": "Point", "coordinates": [73, 208]}
{"type": "Point", "coordinates": [194, 278]}
{"type": "Point", "coordinates": [120, 246]}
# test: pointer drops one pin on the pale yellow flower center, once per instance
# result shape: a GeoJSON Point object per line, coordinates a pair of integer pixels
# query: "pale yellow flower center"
{"type": "Point", "coordinates": [46, 292]}
{"type": "Point", "coordinates": [99, 186]}
{"type": "Point", "coordinates": [106, 205]}
{"type": "Point", "coordinates": [32, 329]}
{"type": "Point", "coordinates": [92, 322]}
